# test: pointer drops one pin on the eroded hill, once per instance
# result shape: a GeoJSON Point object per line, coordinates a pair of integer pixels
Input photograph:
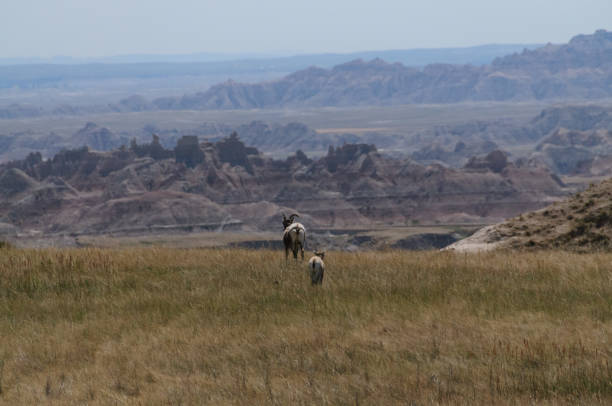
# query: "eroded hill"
{"type": "Point", "coordinates": [228, 185]}
{"type": "Point", "coordinates": [582, 222]}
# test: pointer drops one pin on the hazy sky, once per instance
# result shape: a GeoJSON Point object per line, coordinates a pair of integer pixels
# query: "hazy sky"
{"type": "Point", "coordinates": [43, 28]}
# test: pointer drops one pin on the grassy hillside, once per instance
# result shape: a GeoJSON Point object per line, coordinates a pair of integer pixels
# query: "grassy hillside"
{"type": "Point", "coordinates": [172, 326]}
{"type": "Point", "coordinates": [581, 223]}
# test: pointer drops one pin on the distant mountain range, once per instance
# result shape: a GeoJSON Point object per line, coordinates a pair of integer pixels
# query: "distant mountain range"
{"type": "Point", "coordinates": [580, 69]}
{"type": "Point", "coordinates": [61, 72]}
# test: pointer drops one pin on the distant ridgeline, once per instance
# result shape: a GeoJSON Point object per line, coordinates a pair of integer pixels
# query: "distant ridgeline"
{"type": "Point", "coordinates": [579, 69]}
{"type": "Point", "coordinates": [206, 185]}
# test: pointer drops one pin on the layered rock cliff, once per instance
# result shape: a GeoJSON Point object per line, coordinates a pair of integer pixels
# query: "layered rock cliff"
{"type": "Point", "coordinates": [226, 184]}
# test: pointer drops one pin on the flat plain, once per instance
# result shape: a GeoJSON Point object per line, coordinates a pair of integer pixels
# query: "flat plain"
{"type": "Point", "coordinates": [393, 119]}
{"type": "Point", "coordinates": [218, 326]}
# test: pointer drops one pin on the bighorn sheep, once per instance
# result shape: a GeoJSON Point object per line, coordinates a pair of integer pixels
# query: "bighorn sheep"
{"type": "Point", "coordinates": [294, 236]}
{"type": "Point", "coordinates": [316, 266]}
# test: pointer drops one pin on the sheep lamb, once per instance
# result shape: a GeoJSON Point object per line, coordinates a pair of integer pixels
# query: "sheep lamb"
{"type": "Point", "coordinates": [316, 266]}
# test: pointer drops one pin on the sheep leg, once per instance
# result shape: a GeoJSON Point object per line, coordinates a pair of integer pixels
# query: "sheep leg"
{"type": "Point", "coordinates": [288, 245]}
{"type": "Point", "coordinates": [317, 276]}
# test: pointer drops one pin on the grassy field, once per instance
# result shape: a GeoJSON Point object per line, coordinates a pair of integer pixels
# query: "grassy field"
{"type": "Point", "coordinates": [205, 326]}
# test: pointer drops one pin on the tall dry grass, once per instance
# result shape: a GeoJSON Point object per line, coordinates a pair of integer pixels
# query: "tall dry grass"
{"type": "Point", "coordinates": [172, 326]}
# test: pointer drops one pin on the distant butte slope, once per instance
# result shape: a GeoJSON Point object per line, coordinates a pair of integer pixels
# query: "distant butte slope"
{"type": "Point", "coordinates": [226, 184]}
{"type": "Point", "coordinates": [583, 222]}
{"type": "Point", "coordinates": [580, 69]}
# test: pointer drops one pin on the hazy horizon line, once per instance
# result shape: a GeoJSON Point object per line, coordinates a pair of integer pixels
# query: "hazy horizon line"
{"type": "Point", "coordinates": [212, 56]}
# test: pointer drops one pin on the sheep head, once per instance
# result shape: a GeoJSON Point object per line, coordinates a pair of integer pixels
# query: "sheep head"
{"type": "Point", "coordinates": [287, 221]}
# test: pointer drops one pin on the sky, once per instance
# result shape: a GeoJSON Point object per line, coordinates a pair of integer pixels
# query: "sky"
{"type": "Point", "coordinates": [97, 28]}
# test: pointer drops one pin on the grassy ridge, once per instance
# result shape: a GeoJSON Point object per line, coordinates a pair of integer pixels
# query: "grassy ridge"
{"type": "Point", "coordinates": [171, 326]}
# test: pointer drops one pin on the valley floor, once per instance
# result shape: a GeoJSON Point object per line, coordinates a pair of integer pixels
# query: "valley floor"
{"type": "Point", "coordinates": [416, 237]}
{"type": "Point", "coordinates": [219, 326]}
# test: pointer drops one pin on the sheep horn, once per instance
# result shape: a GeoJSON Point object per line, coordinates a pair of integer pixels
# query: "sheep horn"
{"type": "Point", "coordinates": [293, 215]}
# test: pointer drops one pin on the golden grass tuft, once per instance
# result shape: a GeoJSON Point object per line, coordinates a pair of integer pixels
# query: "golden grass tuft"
{"type": "Point", "coordinates": [206, 326]}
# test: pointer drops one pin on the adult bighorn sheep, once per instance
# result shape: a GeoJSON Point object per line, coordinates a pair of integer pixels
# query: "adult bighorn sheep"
{"type": "Point", "coordinates": [316, 266]}
{"type": "Point", "coordinates": [294, 236]}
